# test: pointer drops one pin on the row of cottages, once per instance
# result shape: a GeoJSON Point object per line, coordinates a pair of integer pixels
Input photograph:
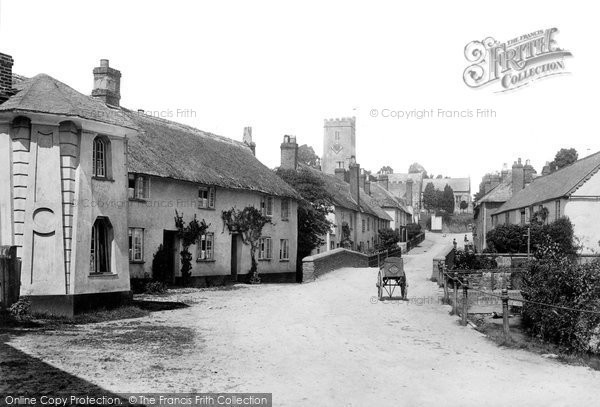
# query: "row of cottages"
{"type": "Point", "coordinates": [354, 204]}
{"type": "Point", "coordinates": [497, 189]}
{"type": "Point", "coordinates": [572, 192]}
{"type": "Point", "coordinates": [91, 188]}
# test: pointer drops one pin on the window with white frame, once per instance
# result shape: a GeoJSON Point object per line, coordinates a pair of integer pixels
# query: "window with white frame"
{"type": "Point", "coordinates": [139, 187]}
{"type": "Point", "coordinates": [285, 209]}
{"type": "Point", "coordinates": [557, 209]}
{"type": "Point", "coordinates": [206, 244]}
{"type": "Point", "coordinates": [265, 248]}
{"type": "Point", "coordinates": [284, 249]}
{"type": "Point", "coordinates": [206, 198]}
{"type": "Point", "coordinates": [100, 155]}
{"type": "Point", "coordinates": [136, 244]}
{"type": "Point", "coordinates": [266, 205]}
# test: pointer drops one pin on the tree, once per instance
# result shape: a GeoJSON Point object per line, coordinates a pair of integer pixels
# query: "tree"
{"type": "Point", "coordinates": [386, 170]}
{"type": "Point", "coordinates": [447, 202]}
{"type": "Point", "coordinates": [563, 158]}
{"type": "Point", "coordinates": [440, 176]}
{"type": "Point", "coordinates": [248, 223]}
{"type": "Point", "coordinates": [416, 168]}
{"type": "Point", "coordinates": [430, 201]}
{"type": "Point", "coordinates": [307, 155]}
{"type": "Point", "coordinates": [313, 209]}
{"type": "Point", "coordinates": [463, 205]}
{"type": "Point", "coordinates": [188, 235]}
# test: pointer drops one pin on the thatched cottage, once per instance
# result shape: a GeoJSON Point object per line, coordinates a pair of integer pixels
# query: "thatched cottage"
{"type": "Point", "coordinates": [90, 191]}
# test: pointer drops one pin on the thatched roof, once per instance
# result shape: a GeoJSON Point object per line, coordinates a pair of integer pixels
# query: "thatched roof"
{"type": "Point", "coordinates": [167, 149]}
{"type": "Point", "coordinates": [386, 199]}
{"type": "Point", "coordinates": [44, 94]}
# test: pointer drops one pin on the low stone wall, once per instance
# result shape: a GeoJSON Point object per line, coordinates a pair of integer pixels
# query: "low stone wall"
{"type": "Point", "coordinates": [319, 264]}
{"type": "Point", "coordinates": [446, 255]}
{"type": "Point", "coordinates": [494, 279]}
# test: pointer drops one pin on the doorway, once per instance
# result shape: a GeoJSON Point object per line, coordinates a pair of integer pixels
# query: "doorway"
{"type": "Point", "coordinates": [170, 247]}
{"type": "Point", "coordinates": [236, 255]}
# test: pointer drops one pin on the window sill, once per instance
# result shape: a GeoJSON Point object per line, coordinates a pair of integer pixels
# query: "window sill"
{"type": "Point", "coordinates": [103, 275]}
{"type": "Point", "coordinates": [136, 262]}
{"type": "Point", "coordinates": [265, 259]}
{"type": "Point", "coordinates": [284, 260]}
{"type": "Point", "coordinates": [207, 209]}
{"type": "Point", "coordinates": [138, 199]}
{"type": "Point", "coordinates": [105, 179]}
{"type": "Point", "coordinates": [285, 219]}
{"type": "Point", "coordinates": [205, 260]}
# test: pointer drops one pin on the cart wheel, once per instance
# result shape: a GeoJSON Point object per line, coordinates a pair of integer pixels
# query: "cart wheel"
{"type": "Point", "coordinates": [380, 286]}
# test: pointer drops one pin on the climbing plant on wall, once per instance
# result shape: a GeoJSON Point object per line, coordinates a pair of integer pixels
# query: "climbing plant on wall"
{"type": "Point", "coordinates": [188, 235]}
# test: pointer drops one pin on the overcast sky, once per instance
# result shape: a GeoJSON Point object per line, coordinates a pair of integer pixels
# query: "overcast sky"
{"type": "Point", "coordinates": [284, 67]}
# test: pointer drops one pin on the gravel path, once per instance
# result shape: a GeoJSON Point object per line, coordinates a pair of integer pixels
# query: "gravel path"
{"type": "Point", "coordinates": [326, 343]}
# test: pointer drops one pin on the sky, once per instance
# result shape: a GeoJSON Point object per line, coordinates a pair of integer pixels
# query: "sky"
{"type": "Point", "coordinates": [284, 67]}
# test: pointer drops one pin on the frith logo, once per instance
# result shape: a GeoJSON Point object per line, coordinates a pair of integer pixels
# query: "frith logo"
{"type": "Point", "coordinates": [514, 63]}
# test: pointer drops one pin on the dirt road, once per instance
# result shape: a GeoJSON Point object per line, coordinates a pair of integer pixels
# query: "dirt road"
{"type": "Point", "coordinates": [327, 343]}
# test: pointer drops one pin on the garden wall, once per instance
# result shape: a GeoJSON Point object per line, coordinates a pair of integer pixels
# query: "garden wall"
{"type": "Point", "coordinates": [319, 264]}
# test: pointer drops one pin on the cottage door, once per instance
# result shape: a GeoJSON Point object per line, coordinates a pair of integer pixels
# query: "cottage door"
{"type": "Point", "coordinates": [236, 252]}
{"type": "Point", "coordinates": [170, 245]}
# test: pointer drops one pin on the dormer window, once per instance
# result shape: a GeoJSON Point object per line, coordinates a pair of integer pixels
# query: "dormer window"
{"type": "Point", "coordinates": [139, 187]}
{"type": "Point", "coordinates": [206, 198]}
{"type": "Point", "coordinates": [266, 206]}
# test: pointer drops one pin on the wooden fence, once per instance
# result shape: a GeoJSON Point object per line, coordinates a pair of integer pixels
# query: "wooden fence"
{"type": "Point", "coordinates": [415, 241]}
{"type": "Point", "coordinates": [10, 276]}
{"type": "Point", "coordinates": [376, 259]}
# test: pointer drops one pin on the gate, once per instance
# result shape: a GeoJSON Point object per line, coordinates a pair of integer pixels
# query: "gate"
{"type": "Point", "coordinates": [10, 276]}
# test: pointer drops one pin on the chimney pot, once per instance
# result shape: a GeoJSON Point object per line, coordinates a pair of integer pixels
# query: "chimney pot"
{"type": "Point", "coordinates": [107, 84]}
{"type": "Point", "coordinates": [289, 153]}
{"type": "Point", "coordinates": [104, 63]}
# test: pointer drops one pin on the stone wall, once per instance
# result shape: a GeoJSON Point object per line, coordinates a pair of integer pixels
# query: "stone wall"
{"type": "Point", "coordinates": [319, 264]}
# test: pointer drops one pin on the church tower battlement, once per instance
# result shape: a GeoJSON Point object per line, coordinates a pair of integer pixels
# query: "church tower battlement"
{"type": "Point", "coordinates": [339, 143]}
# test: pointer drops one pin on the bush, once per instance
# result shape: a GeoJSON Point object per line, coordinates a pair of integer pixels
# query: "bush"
{"type": "Point", "coordinates": [562, 282]}
{"type": "Point", "coordinates": [466, 260]}
{"type": "Point", "coordinates": [20, 309]}
{"type": "Point", "coordinates": [388, 239]}
{"type": "Point", "coordinates": [155, 287]}
{"type": "Point", "coordinates": [513, 238]}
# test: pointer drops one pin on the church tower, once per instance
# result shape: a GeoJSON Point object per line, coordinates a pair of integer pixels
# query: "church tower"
{"type": "Point", "coordinates": [339, 144]}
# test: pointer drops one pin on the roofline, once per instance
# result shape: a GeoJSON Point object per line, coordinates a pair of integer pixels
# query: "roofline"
{"type": "Point", "coordinates": [297, 197]}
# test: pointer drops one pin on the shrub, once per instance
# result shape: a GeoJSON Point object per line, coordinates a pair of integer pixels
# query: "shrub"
{"type": "Point", "coordinates": [466, 260]}
{"type": "Point", "coordinates": [513, 238]}
{"type": "Point", "coordinates": [20, 309]}
{"type": "Point", "coordinates": [388, 239]}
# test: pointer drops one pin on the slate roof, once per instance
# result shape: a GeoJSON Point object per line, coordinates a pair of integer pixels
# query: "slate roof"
{"type": "Point", "coordinates": [340, 191]}
{"type": "Point", "coordinates": [44, 94]}
{"type": "Point", "coordinates": [500, 193]}
{"type": "Point", "coordinates": [385, 198]}
{"type": "Point", "coordinates": [172, 150]}
{"type": "Point", "coordinates": [558, 184]}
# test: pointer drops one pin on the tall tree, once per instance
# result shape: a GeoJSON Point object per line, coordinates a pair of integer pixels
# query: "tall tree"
{"type": "Point", "coordinates": [563, 158]}
{"type": "Point", "coordinates": [415, 168]}
{"type": "Point", "coordinates": [307, 155]}
{"type": "Point", "coordinates": [313, 208]}
{"type": "Point", "coordinates": [447, 203]}
{"type": "Point", "coordinates": [430, 201]}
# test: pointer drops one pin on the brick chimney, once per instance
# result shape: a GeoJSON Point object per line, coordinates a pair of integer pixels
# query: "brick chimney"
{"type": "Point", "coordinates": [409, 191]}
{"type": "Point", "coordinates": [107, 84]}
{"type": "Point", "coordinates": [248, 139]}
{"type": "Point", "coordinates": [528, 173]}
{"type": "Point", "coordinates": [6, 84]}
{"type": "Point", "coordinates": [367, 187]}
{"type": "Point", "coordinates": [340, 174]}
{"type": "Point", "coordinates": [289, 153]}
{"type": "Point", "coordinates": [383, 180]}
{"type": "Point", "coordinates": [354, 179]}
{"type": "Point", "coordinates": [518, 177]}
